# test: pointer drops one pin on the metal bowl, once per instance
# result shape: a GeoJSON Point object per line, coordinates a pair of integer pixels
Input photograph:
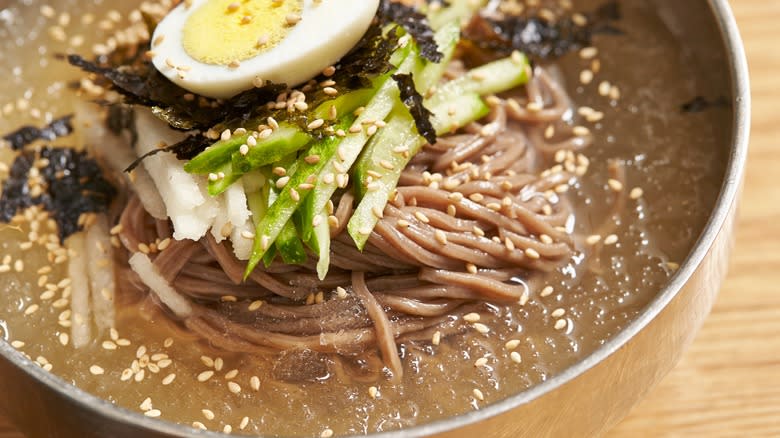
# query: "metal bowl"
{"type": "Point", "coordinates": [586, 399]}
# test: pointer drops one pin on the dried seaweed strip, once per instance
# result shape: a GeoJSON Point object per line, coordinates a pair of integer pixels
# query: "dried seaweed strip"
{"type": "Point", "coordinates": [27, 134]}
{"type": "Point", "coordinates": [414, 102]}
{"type": "Point", "coordinates": [701, 103]}
{"type": "Point", "coordinates": [538, 37]}
{"type": "Point", "coordinates": [415, 23]}
{"type": "Point", "coordinates": [73, 184]}
{"type": "Point", "coordinates": [186, 149]}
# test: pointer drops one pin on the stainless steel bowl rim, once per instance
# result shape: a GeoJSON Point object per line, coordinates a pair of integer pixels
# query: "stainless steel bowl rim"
{"type": "Point", "coordinates": [734, 174]}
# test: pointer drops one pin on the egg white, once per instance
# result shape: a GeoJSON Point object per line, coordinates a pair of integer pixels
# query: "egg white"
{"type": "Point", "coordinates": [328, 30]}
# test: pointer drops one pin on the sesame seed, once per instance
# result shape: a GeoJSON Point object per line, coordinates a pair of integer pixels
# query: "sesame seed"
{"type": "Point", "coordinates": [205, 375]}
{"type": "Point", "coordinates": [580, 131]}
{"type": "Point", "coordinates": [615, 185]}
{"type": "Point", "coordinates": [532, 253]}
{"type": "Point", "coordinates": [373, 392]}
{"type": "Point", "coordinates": [557, 313]}
{"type": "Point", "coordinates": [471, 317]}
{"type": "Point", "coordinates": [281, 182]}
{"type": "Point", "coordinates": [560, 324]}
{"type": "Point", "coordinates": [588, 52]}
{"type": "Point", "coordinates": [234, 387]}
{"type": "Point", "coordinates": [198, 425]}
{"type": "Point", "coordinates": [546, 291]}
{"type": "Point", "coordinates": [586, 77]}
{"type": "Point", "coordinates": [481, 328]}
{"type": "Point", "coordinates": [218, 364]}
{"type": "Point", "coordinates": [436, 339]}
{"type": "Point", "coordinates": [593, 239]}
{"type": "Point", "coordinates": [153, 413]}
{"type": "Point", "coordinates": [244, 423]}
{"type": "Point", "coordinates": [510, 245]}
{"type": "Point", "coordinates": [31, 309]}
{"type": "Point", "coordinates": [611, 239]}
{"type": "Point", "coordinates": [327, 433]}
{"type": "Point", "coordinates": [440, 236]}
{"type": "Point", "coordinates": [167, 380]}
{"type": "Point", "coordinates": [636, 193]}
{"type": "Point", "coordinates": [108, 345]}
{"type": "Point", "coordinates": [231, 374]}
{"type": "Point", "coordinates": [481, 362]}
{"type": "Point", "coordinates": [146, 404]}
{"type": "Point", "coordinates": [515, 356]}
{"type": "Point", "coordinates": [478, 394]}
{"type": "Point", "coordinates": [209, 414]}
{"type": "Point", "coordinates": [315, 124]}
{"type": "Point", "coordinates": [614, 92]}
{"type": "Point", "coordinates": [604, 88]}
{"type": "Point", "coordinates": [292, 19]}
{"type": "Point", "coordinates": [421, 217]}
{"type": "Point", "coordinates": [471, 268]}
{"type": "Point", "coordinates": [512, 344]}
{"type": "Point", "coordinates": [254, 383]}
{"type": "Point", "coordinates": [96, 370]}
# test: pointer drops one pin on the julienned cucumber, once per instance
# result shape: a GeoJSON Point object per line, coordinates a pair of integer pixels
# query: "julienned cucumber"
{"type": "Point", "coordinates": [425, 76]}
{"type": "Point", "coordinates": [454, 105]}
{"type": "Point", "coordinates": [336, 156]}
{"type": "Point", "coordinates": [495, 77]}
{"type": "Point", "coordinates": [378, 177]}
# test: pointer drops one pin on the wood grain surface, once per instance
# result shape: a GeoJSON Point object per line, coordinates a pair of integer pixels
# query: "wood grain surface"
{"type": "Point", "coordinates": [728, 383]}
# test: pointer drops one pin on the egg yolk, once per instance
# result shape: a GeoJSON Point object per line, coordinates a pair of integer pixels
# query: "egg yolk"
{"type": "Point", "coordinates": [225, 32]}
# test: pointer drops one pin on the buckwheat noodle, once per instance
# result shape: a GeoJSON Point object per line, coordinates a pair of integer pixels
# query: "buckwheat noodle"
{"type": "Point", "coordinates": [473, 220]}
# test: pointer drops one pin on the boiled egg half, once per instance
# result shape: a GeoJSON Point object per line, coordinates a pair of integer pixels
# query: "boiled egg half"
{"type": "Point", "coordinates": [219, 48]}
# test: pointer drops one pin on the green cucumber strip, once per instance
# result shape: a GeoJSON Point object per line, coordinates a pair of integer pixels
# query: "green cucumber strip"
{"type": "Point", "coordinates": [397, 136]}
{"type": "Point", "coordinates": [348, 149]}
{"type": "Point", "coordinates": [447, 39]}
{"type": "Point", "coordinates": [221, 152]}
{"type": "Point", "coordinates": [287, 139]}
{"type": "Point", "coordinates": [320, 242]}
{"type": "Point", "coordinates": [215, 156]}
{"type": "Point", "coordinates": [491, 78]}
{"type": "Point", "coordinates": [352, 145]}
{"type": "Point", "coordinates": [290, 246]}
{"type": "Point", "coordinates": [218, 186]}
{"type": "Point", "coordinates": [291, 197]}
{"type": "Point", "coordinates": [345, 103]}
{"type": "Point", "coordinates": [269, 256]}
{"type": "Point", "coordinates": [458, 12]}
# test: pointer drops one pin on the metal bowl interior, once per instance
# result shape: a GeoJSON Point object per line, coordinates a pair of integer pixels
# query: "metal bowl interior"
{"type": "Point", "coordinates": [585, 399]}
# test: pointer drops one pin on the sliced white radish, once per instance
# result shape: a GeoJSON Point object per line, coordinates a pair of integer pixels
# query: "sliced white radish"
{"type": "Point", "coordinates": [101, 273]}
{"type": "Point", "coordinates": [80, 329]}
{"type": "Point", "coordinates": [142, 265]}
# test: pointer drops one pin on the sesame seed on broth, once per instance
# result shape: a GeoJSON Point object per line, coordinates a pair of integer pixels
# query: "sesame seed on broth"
{"type": "Point", "coordinates": [148, 365]}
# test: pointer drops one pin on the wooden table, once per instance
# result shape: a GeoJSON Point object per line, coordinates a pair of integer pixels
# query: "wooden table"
{"type": "Point", "coordinates": [728, 383]}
